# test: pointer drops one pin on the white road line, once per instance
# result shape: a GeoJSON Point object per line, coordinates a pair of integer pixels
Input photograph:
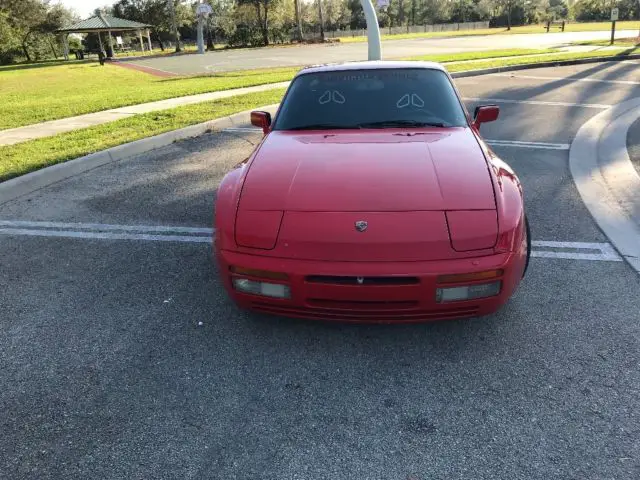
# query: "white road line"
{"type": "Point", "coordinates": [602, 251]}
{"type": "Point", "coordinates": [242, 130]}
{"type": "Point", "coordinates": [538, 102]}
{"type": "Point", "coordinates": [104, 227]}
{"type": "Point", "coordinates": [104, 235]}
{"type": "Point", "coordinates": [98, 231]}
{"type": "Point", "coordinates": [536, 145]}
{"type": "Point", "coordinates": [566, 79]}
{"type": "Point", "coordinates": [574, 256]}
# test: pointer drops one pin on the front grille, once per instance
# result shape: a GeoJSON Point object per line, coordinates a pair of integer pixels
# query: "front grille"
{"type": "Point", "coordinates": [363, 315]}
{"type": "Point", "coordinates": [350, 305]}
{"type": "Point", "coordinates": [344, 280]}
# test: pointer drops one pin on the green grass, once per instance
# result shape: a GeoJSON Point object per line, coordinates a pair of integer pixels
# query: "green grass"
{"type": "Point", "coordinates": [32, 93]}
{"type": "Point", "coordinates": [463, 66]}
{"type": "Point", "coordinates": [35, 154]}
{"type": "Point", "coordinates": [570, 27]}
{"type": "Point", "coordinates": [36, 93]}
{"type": "Point", "coordinates": [620, 42]}
{"type": "Point", "coordinates": [466, 56]}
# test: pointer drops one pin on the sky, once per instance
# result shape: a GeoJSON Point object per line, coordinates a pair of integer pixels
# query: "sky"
{"type": "Point", "coordinates": [84, 8]}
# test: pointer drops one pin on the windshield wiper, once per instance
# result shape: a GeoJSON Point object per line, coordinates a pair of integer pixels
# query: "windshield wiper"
{"type": "Point", "coordinates": [324, 126]}
{"type": "Point", "coordinates": [401, 123]}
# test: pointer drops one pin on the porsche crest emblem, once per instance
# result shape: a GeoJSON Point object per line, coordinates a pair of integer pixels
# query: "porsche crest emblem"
{"type": "Point", "coordinates": [361, 225]}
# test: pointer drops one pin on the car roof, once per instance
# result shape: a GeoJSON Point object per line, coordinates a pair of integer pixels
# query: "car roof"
{"type": "Point", "coordinates": [371, 65]}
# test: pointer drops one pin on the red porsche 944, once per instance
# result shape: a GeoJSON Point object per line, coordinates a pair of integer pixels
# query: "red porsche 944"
{"type": "Point", "coordinates": [372, 197]}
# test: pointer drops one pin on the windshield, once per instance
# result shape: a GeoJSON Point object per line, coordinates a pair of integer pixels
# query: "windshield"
{"type": "Point", "coordinates": [383, 98]}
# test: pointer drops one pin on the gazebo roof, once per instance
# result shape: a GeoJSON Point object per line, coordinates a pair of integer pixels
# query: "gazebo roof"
{"type": "Point", "coordinates": [103, 23]}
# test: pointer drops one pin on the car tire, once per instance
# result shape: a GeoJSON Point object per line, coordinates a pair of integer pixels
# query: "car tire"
{"type": "Point", "coordinates": [528, 232]}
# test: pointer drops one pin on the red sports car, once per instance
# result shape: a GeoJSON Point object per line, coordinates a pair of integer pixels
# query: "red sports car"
{"type": "Point", "coordinates": [372, 198]}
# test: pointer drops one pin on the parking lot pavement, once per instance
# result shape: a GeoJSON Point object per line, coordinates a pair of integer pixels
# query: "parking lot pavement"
{"type": "Point", "coordinates": [250, 58]}
{"type": "Point", "coordinates": [123, 358]}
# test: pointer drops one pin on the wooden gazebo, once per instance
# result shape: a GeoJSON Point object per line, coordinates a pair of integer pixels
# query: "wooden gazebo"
{"type": "Point", "coordinates": [105, 23]}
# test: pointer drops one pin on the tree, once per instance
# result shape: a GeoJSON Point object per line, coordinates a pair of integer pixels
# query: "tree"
{"type": "Point", "coordinates": [27, 27]}
{"type": "Point", "coordinates": [158, 14]}
{"type": "Point", "coordinates": [262, 8]}
{"type": "Point", "coordinates": [508, 8]}
{"type": "Point", "coordinates": [321, 20]}
{"type": "Point", "coordinates": [298, 32]}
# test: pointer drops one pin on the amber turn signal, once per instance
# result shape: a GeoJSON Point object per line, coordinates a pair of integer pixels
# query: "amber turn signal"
{"type": "Point", "coordinates": [252, 272]}
{"type": "Point", "coordinates": [470, 277]}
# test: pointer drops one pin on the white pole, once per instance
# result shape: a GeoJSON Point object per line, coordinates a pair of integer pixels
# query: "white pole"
{"type": "Point", "coordinates": [149, 39]}
{"type": "Point", "coordinates": [141, 42]}
{"type": "Point", "coordinates": [373, 30]}
{"type": "Point", "coordinates": [200, 34]}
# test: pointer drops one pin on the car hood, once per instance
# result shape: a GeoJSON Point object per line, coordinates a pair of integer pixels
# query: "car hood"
{"type": "Point", "coordinates": [369, 170]}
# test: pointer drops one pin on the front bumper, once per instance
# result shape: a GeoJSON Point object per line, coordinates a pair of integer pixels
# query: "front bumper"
{"type": "Point", "coordinates": [410, 299]}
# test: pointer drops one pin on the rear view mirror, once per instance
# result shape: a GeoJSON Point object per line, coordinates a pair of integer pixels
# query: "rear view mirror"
{"type": "Point", "coordinates": [262, 120]}
{"type": "Point", "coordinates": [485, 114]}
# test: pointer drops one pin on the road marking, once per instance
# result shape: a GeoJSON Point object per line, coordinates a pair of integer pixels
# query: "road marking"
{"type": "Point", "coordinates": [567, 250]}
{"type": "Point", "coordinates": [565, 79]}
{"type": "Point", "coordinates": [497, 143]}
{"type": "Point", "coordinates": [143, 66]}
{"type": "Point", "coordinates": [104, 227]}
{"type": "Point", "coordinates": [242, 129]}
{"type": "Point", "coordinates": [536, 145]}
{"type": "Point", "coordinates": [538, 102]}
{"type": "Point", "coordinates": [168, 233]}
{"type": "Point", "coordinates": [104, 235]}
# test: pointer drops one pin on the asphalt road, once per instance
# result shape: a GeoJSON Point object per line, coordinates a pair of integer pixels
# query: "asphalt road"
{"type": "Point", "coordinates": [225, 60]}
{"type": "Point", "coordinates": [124, 358]}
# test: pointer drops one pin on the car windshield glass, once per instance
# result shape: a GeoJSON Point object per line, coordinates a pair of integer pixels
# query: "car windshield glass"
{"type": "Point", "coordinates": [382, 98]}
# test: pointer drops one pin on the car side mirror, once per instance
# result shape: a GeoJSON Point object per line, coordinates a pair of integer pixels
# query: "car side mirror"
{"type": "Point", "coordinates": [262, 120]}
{"type": "Point", "coordinates": [485, 114]}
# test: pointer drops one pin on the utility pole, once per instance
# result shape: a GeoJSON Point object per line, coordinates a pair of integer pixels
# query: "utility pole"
{"type": "Point", "coordinates": [174, 25]}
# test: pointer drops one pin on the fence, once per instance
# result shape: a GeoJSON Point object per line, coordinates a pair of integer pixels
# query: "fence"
{"type": "Point", "coordinates": [283, 35]}
{"type": "Point", "coordinates": [441, 27]}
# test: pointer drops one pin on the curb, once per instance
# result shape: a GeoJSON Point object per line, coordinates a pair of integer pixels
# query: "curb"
{"type": "Point", "coordinates": [30, 182]}
{"type": "Point", "coordinates": [606, 180]}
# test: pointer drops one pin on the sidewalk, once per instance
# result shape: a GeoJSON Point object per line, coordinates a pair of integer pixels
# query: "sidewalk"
{"type": "Point", "coordinates": [54, 127]}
